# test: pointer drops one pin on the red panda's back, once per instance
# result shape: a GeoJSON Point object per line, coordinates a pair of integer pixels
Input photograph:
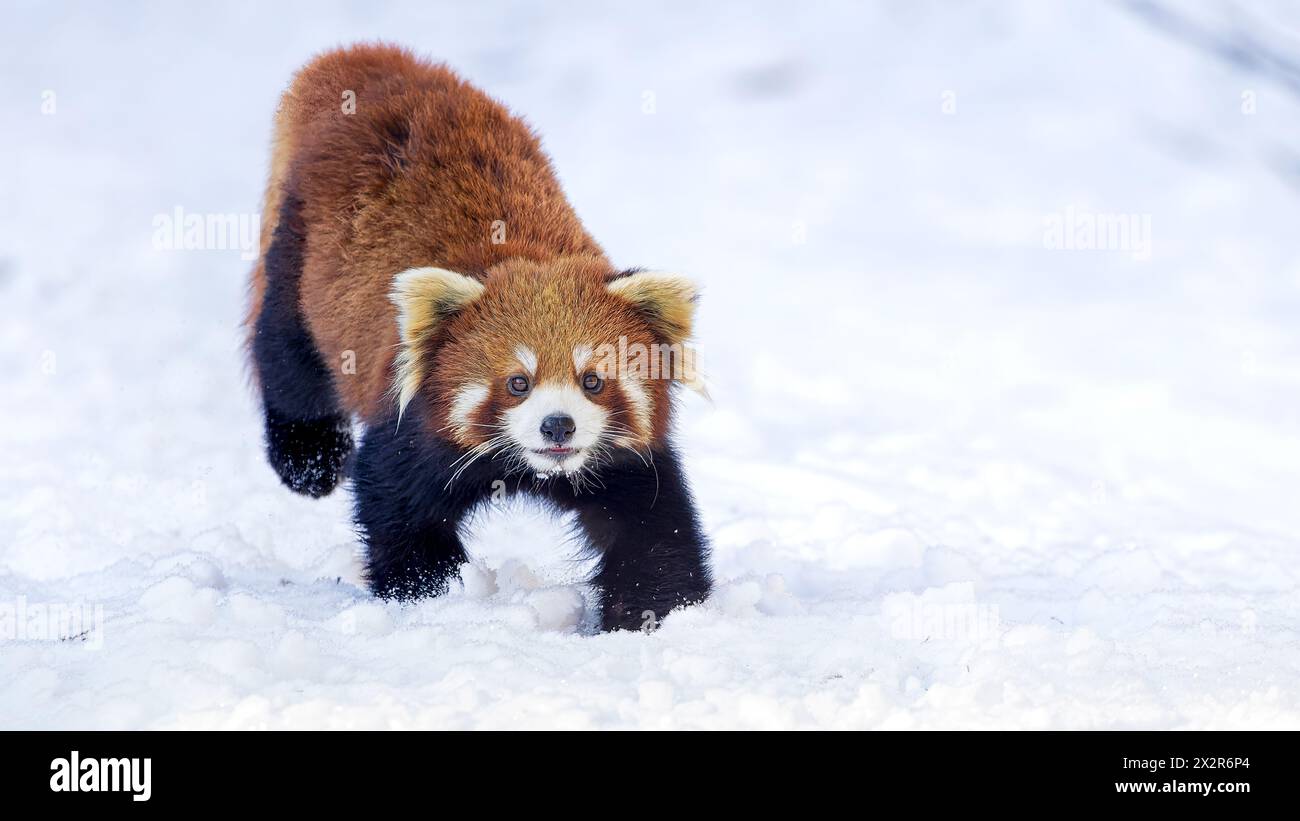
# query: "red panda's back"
{"type": "Point", "coordinates": [399, 163]}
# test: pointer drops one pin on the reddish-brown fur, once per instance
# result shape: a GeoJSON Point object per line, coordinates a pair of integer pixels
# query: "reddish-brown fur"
{"type": "Point", "coordinates": [418, 176]}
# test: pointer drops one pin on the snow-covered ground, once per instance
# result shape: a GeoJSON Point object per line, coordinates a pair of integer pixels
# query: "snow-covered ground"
{"type": "Point", "coordinates": [953, 476]}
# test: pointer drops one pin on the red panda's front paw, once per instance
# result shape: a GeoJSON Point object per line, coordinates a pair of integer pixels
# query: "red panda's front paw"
{"type": "Point", "coordinates": [310, 456]}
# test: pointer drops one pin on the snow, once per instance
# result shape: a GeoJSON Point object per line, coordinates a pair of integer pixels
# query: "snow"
{"type": "Point", "coordinates": [953, 477]}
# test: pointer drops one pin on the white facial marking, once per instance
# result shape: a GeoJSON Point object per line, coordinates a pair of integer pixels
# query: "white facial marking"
{"type": "Point", "coordinates": [524, 424]}
{"type": "Point", "coordinates": [463, 405]}
{"type": "Point", "coordinates": [527, 359]}
{"type": "Point", "coordinates": [634, 390]}
{"type": "Point", "coordinates": [581, 356]}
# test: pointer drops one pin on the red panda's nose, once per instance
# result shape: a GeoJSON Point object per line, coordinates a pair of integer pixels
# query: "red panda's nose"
{"type": "Point", "coordinates": [558, 428]}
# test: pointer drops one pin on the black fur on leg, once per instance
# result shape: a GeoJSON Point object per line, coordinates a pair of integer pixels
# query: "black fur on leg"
{"type": "Point", "coordinates": [654, 557]}
{"type": "Point", "coordinates": [308, 438]}
{"type": "Point", "coordinates": [408, 510]}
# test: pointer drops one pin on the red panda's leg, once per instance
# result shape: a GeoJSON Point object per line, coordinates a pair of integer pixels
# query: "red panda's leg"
{"type": "Point", "coordinates": [407, 512]}
{"type": "Point", "coordinates": [308, 439]}
{"type": "Point", "coordinates": [654, 557]}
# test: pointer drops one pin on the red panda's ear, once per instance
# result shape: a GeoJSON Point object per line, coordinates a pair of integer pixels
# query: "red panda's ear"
{"type": "Point", "coordinates": [425, 299]}
{"type": "Point", "coordinates": [666, 301]}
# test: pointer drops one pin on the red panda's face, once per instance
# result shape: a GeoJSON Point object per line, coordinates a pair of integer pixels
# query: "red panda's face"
{"type": "Point", "coordinates": [560, 367]}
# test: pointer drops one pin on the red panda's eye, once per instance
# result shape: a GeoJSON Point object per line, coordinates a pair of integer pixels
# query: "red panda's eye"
{"type": "Point", "coordinates": [518, 385]}
{"type": "Point", "coordinates": [593, 382]}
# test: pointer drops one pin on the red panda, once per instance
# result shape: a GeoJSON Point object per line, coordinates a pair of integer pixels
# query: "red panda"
{"type": "Point", "coordinates": [424, 275]}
